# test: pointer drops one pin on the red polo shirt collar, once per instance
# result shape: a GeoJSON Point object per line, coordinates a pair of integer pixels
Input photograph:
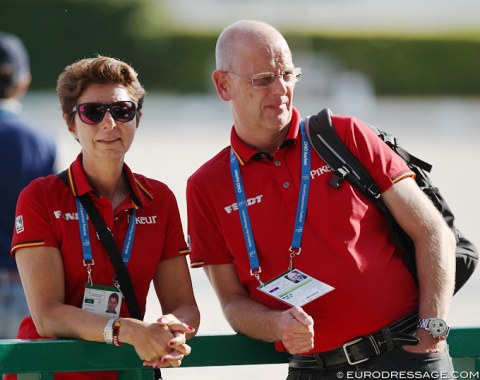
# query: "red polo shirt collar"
{"type": "Point", "coordinates": [79, 185]}
{"type": "Point", "coordinates": [245, 152]}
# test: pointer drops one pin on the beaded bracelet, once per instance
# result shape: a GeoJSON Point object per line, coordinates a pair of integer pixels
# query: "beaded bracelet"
{"type": "Point", "coordinates": [111, 331]}
{"type": "Point", "coordinates": [115, 332]}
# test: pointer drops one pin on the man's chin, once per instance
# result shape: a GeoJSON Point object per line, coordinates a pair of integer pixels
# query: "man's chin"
{"type": "Point", "coordinates": [283, 119]}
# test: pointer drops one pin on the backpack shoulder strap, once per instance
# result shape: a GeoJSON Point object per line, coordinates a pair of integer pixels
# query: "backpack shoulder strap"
{"type": "Point", "coordinates": [344, 164]}
{"type": "Point", "coordinates": [392, 142]}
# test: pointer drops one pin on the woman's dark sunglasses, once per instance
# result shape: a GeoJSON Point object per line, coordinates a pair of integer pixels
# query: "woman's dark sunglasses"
{"type": "Point", "coordinates": [93, 113]}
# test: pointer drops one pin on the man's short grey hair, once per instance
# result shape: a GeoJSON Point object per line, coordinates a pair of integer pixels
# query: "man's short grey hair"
{"type": "Point", "coordinates": [225, 48]}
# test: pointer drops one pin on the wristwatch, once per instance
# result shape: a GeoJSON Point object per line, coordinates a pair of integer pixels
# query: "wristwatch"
{"type": "Point", "coordinates": [437, 327]}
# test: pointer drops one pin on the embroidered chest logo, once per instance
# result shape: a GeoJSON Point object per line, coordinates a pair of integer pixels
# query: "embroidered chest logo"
{"type": "Point", "coordinates": [315, 173]}
{"type": "Point", "coordinates": [250, 202]}
{"type": "Point", "coordinates": [65, 215]}
{"type": "Point", "coordinates": [144, 219]}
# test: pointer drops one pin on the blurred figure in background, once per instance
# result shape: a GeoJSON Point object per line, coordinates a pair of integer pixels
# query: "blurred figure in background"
{"type": "Point", "coordinates": [27, 151]}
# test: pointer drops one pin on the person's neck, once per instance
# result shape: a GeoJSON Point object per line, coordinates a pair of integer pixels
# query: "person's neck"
{"type": "Point", "coordinates": [11, 104]}
{"type": "Point", "coordinates": [107, 180]}
{"type": "Point", "coordinates": [264, 142]}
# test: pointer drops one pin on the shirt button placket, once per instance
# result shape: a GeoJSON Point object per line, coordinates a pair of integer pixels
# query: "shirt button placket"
{"type": "Point", "coordinates": [278, 164]}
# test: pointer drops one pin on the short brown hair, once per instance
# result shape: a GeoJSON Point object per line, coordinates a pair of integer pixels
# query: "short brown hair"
{"type": "Point", "coordinates": [75, 79]}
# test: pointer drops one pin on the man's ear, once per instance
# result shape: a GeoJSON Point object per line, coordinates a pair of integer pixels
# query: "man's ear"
{"type": "Point", "coordinates": [220, 80]}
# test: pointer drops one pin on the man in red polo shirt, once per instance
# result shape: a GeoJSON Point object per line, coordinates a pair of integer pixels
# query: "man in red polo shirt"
{"type": "Point", "coordinates": [296, 262]}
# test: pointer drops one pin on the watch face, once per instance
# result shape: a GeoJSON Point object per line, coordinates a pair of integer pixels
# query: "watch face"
{"type": "Point", "coordinates": [438, 327]}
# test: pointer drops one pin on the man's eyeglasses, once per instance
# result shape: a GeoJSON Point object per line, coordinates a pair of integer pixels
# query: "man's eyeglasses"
{"type": "Point", "coordinates": [263, 80]}
{"type": "Point", "coordinates": [92, 113]}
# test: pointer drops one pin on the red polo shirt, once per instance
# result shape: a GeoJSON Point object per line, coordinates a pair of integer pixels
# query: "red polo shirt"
{"type": "Point", "coordinates": [47, 216]}
{"type": "Point", "coordinates": [345, 241]}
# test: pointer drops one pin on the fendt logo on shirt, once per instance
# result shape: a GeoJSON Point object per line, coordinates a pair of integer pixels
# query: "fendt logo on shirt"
{"type": "Point", "coordinates": [315, 173]}
{"type": "Point", "coordinates": [250, 201]}
{"type": "Point", "coordinates": [65, 215]}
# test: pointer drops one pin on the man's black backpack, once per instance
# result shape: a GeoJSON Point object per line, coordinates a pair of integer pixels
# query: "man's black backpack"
{"type": "Point", "coordinates": [344, 165]}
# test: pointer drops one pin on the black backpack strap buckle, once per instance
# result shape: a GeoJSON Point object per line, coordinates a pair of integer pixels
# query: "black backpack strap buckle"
{"type": "Point", "coordinates": [338, 175]}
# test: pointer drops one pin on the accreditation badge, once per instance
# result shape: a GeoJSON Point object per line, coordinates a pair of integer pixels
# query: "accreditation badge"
{"type": "Point", "coordinates": [102, 300]}
{"type": "Point", "coordinates": [295, 288]}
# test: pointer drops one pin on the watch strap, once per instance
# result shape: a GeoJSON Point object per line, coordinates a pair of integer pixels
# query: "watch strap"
{"type": "Point", "coordinates": [423, 323]}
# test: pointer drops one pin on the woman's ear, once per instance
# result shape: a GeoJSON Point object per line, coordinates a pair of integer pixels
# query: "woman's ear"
{"type": "Point", "coordinates": [220, 80]}
{"type": "Point", "coordinates": [71, 127]}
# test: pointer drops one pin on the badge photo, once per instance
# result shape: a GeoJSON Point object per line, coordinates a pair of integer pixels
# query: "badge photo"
{"type": "Point", "coordinates": [102, 300]}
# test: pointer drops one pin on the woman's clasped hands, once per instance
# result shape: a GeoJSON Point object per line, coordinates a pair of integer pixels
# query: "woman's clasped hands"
{"type": "Point", "coordinates": [161, 344]}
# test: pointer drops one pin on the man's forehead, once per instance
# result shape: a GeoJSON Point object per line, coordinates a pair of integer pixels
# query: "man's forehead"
{"type": "Point", "coordinates": [275, 54]}
{"type": "Point", "coordinates": [262, 54]}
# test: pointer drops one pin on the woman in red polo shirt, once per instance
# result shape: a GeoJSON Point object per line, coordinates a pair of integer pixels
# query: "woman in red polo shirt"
{"type": "Point", "coordinates": [65, 270]}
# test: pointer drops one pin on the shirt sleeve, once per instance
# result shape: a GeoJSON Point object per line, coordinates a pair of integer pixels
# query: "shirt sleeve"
{"type": "Point", "coordinates": [206, 240]}
{"type": "Point", "coordinates": [33, 221]}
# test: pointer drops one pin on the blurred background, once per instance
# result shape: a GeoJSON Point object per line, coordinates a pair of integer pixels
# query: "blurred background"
{"type": "Point", "coordinates": [408, 67]}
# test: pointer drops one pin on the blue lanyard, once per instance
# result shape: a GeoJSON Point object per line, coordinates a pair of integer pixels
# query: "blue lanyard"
{"type": "Point", "coordinates": [301, 205]}
{"type": "Point", "coordinates": [243, 212]}
{"type": "Point", "coordinates": [85, 235]}
{"type": "Point", "coordinates": [304, 189]}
